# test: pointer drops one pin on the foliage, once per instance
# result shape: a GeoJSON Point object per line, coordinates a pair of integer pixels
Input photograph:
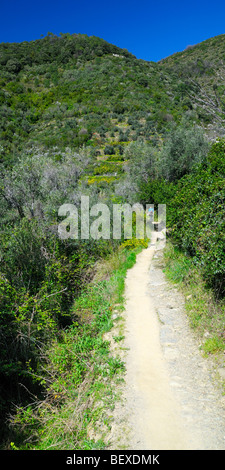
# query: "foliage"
{"type": "Point", "coordinates": [77, 371]}
{"type": "Point", "coordinates": [135, 243]}
{"type": "Point", "coordinates": [67, 102]}
{"type": "Point", "coordinates": [196, 216]}
{"type": "Point", "coordinates": [143, 161]}
{"type": "Point", "coordinates": [205, 314]}
{"type": "Point", "coordinates": [184, 148]}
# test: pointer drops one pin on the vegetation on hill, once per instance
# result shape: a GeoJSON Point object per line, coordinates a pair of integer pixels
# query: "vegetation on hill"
{"type": "Point", "coordinates": [81, 116]}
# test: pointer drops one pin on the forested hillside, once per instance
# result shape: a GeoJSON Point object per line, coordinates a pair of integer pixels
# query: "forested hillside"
{"type": "Point", "coordinates": [79, 116]}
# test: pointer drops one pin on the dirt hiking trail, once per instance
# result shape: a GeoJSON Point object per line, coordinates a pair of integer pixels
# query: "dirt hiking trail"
{"type": "Point", "coordinates": [169, 398]}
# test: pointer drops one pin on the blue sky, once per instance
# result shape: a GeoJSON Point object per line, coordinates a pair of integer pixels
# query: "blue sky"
{"type": "Point", "coordinates": [149, 29]}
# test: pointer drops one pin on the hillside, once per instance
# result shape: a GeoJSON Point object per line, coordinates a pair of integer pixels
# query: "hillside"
{"type": "Point", "coordinates": [80, 116]}
{"type": "Point", "coordinates": [77, 90]}
{"type": "Point", "coordinates": [200, 71]}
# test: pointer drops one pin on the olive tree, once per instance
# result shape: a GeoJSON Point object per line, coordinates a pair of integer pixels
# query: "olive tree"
{"type": "Point", "coordinates": [185, 147]}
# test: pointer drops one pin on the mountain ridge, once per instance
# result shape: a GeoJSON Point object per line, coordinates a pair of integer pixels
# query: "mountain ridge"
{"type": "Point", "coordinates": [89, 85]}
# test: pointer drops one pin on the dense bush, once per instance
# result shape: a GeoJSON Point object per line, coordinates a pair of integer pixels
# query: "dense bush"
{"type": "Point", "coordinates": [195, 207]}
{"type": "Point", "coordinates": [196, 216]}
{"type": "Point", "coordinates": [40, 274]}
{"type": "Point", "coordinates": [184, 147]}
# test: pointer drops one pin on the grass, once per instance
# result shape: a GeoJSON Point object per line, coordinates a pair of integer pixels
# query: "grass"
{"type": "Point", "coordinates": [205, 312]}
{"type": "Point", "coordinates": [79, 373]}
{"type": "Point", "coordinates": [98, 179]}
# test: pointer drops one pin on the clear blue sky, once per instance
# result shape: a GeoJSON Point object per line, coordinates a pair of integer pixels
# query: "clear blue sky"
{"type": "Point", "coordinates": [149, 29]}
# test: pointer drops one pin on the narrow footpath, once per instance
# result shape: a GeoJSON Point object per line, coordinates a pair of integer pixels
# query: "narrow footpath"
{"type": "Point", "coordinates": [170, 400]}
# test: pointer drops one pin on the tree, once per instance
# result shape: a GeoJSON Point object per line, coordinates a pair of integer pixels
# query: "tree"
{"type": "Point", "coordinates": [37, 185]}
{"type": "Point", "coordinates": [143, 161]}
{"type": "Point", "coordinates": [13, 66]}
{"type": "Point", "coordinates": [109, 150]}
{"type": "Point", "coordinates": [185, 147]}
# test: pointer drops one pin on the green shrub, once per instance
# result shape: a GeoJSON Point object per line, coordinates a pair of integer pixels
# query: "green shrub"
{"type": "Point", "coordinates": [196, 216]}
{"type": "Point", "coordinates": [135, 243]}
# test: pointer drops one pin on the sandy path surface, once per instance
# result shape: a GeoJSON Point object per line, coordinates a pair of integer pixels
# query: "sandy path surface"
{"type": "Point", "coordinates": [170, 400]}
